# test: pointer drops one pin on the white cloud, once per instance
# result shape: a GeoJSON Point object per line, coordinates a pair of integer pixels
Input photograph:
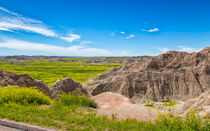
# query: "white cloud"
{"type": "Point", "coordinates": [130, 36]}
{"type": "Point", "coordinates": [180, 48]}
{"type": "Point", "coordinates": [5, 29]}
{"type": "Point", "coordinates": [20, 25]}
{"type": "Point", "coordinates": [76, 50]}
{"type": "Point", "coordinates": [8, 11]}
{"type": "Point", "coordinates": [188, 49]}
{"type": "Point", "coordinates": [163, 49]}
{"type": "Point", "coordinates": [151, 30]}
{"type": "Point", "coordinates": [10, 21]}
{"type": "Point", "coordinates": [71, 37]}
{"type": "Point", "coordinates": [122, 32]}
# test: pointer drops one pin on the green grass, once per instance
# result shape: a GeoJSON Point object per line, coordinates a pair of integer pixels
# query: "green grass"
{"type": "Point", "coordinates": [50, 72]}
{"type": "Point", "coordinates": [170, 103]}
{"type": "Point", "coordinates": [23, 96]}
{"type": "Point", "coordinates": [74, 99]}
{"type": "Point", "coordinates": [73, 112]}
{"type": "Point", "coordinates": [149, 105]}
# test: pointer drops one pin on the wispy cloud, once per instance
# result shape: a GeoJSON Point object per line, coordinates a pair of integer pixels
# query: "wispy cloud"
{"type": "Point", "coordinates": [180, 48]}
{"type": "Point", "coordinates": [5, 29]}
{"type": "Point", "coordinates": [122, 32]}
{"type": "Point", "coordinates": [188, 49]}
{"type": "Point", "coordinates": [11, 21]}
{"type": "Point", "coordinates": [12, 25]}
{"type": "Point", "coordinates": [8, 11]}
{"type": "Point", "coordinates": [76, 50]}
{"type": "Point", "coordinates": [71, 37]}
{"type": "Point", "coordinates": [130, 36]}
{"type": "Point", "coordinates": [151, 30]}
{"type": "Point", "coordinates": [163, 49]}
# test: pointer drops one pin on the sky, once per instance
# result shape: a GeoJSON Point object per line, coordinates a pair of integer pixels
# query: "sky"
{"type": "Point", "coordinates": [103, 27]}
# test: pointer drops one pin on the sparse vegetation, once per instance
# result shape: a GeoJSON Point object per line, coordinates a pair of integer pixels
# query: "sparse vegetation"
{"type": "Point", "coordinates": [149, 104]}
{"type": "Point", "coordinates": [190, 122]}
{"type": "Point", "coordinates": [170, 103]}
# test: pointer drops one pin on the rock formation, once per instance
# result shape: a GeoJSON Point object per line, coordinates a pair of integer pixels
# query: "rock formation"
{"type": "Point", "coordinates": [66, 85]}
{"type": "Point", "coordinates": [169, 76]}
{"type": "Point", "coordinates": [23, 80]}
{"type": "Point", "coordinates": [201, 104]}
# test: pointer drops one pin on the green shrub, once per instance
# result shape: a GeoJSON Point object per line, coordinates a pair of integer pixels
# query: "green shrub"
{"type": "Point", "coordinates": [190, 122]}
{"type": "Point", "coordinates": [23, 96]}
{"type": "Point", "coordinates": [150, 105]}
{"type": "Point", "coordinates": [76, 100]}
{"type": "Point", "coordinates": [170, 103]}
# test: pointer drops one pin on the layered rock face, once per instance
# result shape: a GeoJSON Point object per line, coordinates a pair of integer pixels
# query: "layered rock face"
{"type": "Point", "coordinates": [23, 80]}
{"type": "Point", "coordinates": [169, 76]}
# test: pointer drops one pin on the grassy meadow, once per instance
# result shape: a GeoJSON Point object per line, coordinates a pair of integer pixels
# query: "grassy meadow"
{"type": "Point", "coordinates": [49, 72]}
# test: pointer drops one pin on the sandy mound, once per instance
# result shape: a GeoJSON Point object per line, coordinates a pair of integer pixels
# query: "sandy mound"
{"type": "Point", "coordinates": [112, 103]}
{"type": "Point", "coordinates": [108, 100]}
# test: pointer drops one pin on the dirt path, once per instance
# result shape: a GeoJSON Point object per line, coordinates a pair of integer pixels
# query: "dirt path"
{"type": "Point", "coordinates": [113, 103]}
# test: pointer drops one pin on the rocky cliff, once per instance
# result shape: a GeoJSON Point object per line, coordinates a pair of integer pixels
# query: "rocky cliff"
{"type": "Point", "coordinates": [169, 76]}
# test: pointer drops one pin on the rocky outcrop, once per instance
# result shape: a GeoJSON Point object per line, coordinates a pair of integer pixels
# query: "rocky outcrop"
{"type": "Point", "coordinates": [169, 76]}
{"type": "Point", "coordinates": [201, 104]}
{"type": "Point", "coordinates": [23, 80]}
{"type": "Point", "coordinates": [67, 85]}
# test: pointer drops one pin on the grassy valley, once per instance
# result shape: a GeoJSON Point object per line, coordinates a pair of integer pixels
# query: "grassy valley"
{"type": "Point", "coordinates": [50, 70]}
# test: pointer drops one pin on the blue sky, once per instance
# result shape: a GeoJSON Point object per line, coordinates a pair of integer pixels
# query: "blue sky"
{"type": "Point", "coordinates": [103, 27]}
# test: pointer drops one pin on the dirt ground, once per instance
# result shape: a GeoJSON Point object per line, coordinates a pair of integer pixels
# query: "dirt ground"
{"type": "Point", "coordinates": [113, 103]}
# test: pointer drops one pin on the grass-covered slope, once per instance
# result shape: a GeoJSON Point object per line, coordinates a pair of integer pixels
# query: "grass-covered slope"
{"type": "Point", "coordinates": [73, 112]}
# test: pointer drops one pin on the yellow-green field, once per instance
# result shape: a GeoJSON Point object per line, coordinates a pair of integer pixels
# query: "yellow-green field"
{"type": "Point", "coordinates": [50, 72]}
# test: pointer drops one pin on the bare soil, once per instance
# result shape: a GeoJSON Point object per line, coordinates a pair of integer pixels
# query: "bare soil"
{"type": "Point", "coordinates": [121, 106]}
